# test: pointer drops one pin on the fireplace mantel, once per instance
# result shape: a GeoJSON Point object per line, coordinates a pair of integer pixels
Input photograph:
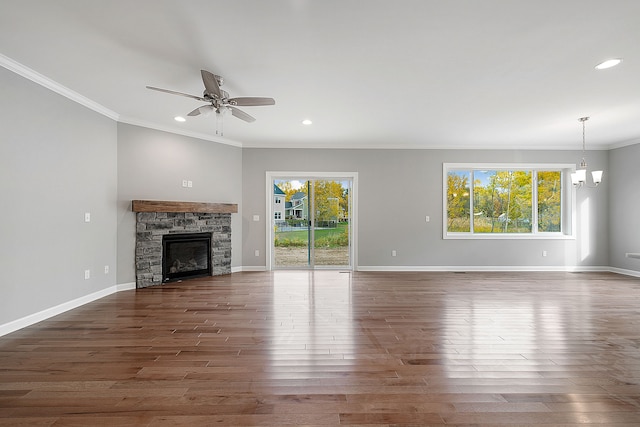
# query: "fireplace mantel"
{"type": "Point", "coordinates": [176, 207]}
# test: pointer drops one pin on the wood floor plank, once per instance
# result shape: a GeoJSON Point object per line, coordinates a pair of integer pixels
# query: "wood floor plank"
{"type": "Point", "coordinates": [331, 348]}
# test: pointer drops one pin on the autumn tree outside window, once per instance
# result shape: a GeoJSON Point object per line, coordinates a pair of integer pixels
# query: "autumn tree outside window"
{"type": "Point", "coordinates": [507, 201]}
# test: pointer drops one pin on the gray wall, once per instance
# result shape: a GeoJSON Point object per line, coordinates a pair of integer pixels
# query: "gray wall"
{"type": "Point", "coordinates": [152, 165]}
{"type": "Point", "coordinates": [57, 161]}
{"type": "Point", "coordinates": [624, 184]}
{"type": "Point", "coordinates": [408, 184]}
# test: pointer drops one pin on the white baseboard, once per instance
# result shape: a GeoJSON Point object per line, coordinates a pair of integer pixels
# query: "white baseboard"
{"type": "Point", "coordinates": [252, 268]}
{"type": "Point", "coordinates": [472, 268]}
{"type": "Point", "coordinates": [479, 268]}
{"type": "Point", "coordinates": [126, 286]}
{"type": "Point", "coordinates": [31, 319]}
{"type": "Point", "coordinates": [625, 271]}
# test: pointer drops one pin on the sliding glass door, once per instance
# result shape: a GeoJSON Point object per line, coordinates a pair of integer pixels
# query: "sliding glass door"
{"type": "Point", "coordinates": [331, 222]}
{"type": "Point", "coordinates": [311, 225]}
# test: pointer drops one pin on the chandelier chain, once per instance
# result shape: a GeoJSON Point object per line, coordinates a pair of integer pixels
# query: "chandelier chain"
{"type": "Point", "coordinates": [583, 164]}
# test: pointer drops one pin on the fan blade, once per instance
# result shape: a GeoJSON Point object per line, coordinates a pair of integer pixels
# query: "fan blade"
{"type": "Point", "coordinates": [241, 114]}
{"type": "Point", "coordinates": [195, 112]}
{"type": "Point", "coordinates": [173, 92]}
{"type": "Point", "coordinates": [205, 109]}
{"type": "Point", "coordinates": [251, 101]}
{"type": "Point", "coordinates": [210, 83]}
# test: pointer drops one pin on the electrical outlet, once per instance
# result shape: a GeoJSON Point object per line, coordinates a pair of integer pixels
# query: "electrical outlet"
{"type": "Point", "coordinates": [106, 269]}
{"type": "Point", "coordinates": [544, 253]}
{"type": "Point", "coordinates": [87, 217]}
{"type": "Point", "coordinates": [256, 218]}
{"type": "Point", "coordinates": [393, 253]}
{"type": "Point", "coordinates": [427, 219]}
{"type": "Point", "coordinates": [189, 184]}
{"type": "Point", "coordinates": [256, 252]}
{"type": "Point", "coordinates": [87, 274]}
{"type": "Point", "coordinates": [184, 183]}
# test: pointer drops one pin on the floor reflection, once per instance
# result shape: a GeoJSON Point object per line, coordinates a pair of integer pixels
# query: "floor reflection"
{"type": "Point", "coordinates": [311, 321]}
{"type": "Point", "coordinates": [482, 328]}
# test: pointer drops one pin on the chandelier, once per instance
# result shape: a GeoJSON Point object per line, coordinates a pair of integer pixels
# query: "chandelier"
{"type": "Point", "coordinates": [579, 177]}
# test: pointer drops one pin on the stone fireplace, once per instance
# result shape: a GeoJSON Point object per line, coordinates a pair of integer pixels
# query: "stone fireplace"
{"type": "Point", "coordinates": [159, 222]}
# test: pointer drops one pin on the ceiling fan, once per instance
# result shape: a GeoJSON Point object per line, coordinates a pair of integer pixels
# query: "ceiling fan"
{"type": "Point", "coordinates": [218, 100]}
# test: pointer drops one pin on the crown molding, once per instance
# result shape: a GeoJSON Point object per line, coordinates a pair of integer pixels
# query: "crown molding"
{"type": "Point", "coordinates": [46, 82]}
{"type": "Point", "coordinates": [625, 143]}
{"type": "Point", "coordinates": [198, 135]}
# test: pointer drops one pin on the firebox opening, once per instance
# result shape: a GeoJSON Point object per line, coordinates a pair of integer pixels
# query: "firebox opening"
{"type": "Point", "coordinates": [186, 256]}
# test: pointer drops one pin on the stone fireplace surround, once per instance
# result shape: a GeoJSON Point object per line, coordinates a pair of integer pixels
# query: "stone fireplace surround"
{"type": "Point", "coordinates": [157, 218]}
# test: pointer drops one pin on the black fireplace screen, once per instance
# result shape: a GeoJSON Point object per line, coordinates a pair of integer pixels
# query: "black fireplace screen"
{"type": "Point", "coordinates": [186, 256]}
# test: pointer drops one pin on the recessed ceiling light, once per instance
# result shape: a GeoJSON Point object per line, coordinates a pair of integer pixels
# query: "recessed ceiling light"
{"type": "Point", "coordinates": [608, 64]}
{"type": "Point", "coordinates": [179, 119]}
{"type": "Point", "coordinates": [307, 122]}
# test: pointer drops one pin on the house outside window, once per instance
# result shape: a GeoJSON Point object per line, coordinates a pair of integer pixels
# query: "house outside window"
{"type": "Point", "coordinates": [298, 208]}
{"type": "Point", "coordinates": [507, 201]}
{"type": "Point", "coordinates": [278, 205]}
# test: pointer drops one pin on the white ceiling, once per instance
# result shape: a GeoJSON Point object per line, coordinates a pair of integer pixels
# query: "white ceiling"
{"type": "Point", "coordinates": [374, 73]}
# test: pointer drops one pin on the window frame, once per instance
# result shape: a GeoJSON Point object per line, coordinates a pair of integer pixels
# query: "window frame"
{"type": "Point", "coordinates": [567, 200]}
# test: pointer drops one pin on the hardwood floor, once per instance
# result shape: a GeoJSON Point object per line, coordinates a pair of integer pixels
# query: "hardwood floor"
{"type": "Point", "coordinates": [336, 348]}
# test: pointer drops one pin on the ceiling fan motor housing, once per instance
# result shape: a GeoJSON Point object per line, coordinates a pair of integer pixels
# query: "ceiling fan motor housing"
{"type": "Point", "coordinates": [217, 101]}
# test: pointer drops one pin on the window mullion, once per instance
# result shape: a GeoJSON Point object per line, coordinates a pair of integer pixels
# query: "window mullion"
{"type": "Point", "coordinates": [471, 200]}
{"type": "Point", "coordinates": [534, 202]}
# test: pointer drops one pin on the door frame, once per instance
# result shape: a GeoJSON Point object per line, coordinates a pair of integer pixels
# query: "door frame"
{"type": "Point", "coordinates": [353, 213]}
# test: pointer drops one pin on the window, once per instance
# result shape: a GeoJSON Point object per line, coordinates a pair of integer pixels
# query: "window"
{"type": "Point", "coordinates": [277, 215]}
{"type": "Point", "coordinates": [278, 200]}
{"type": "Point", "coordinates": [507, 201]}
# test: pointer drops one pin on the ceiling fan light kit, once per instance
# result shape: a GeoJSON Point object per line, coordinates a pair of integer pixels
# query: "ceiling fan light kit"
{"type": "Point", "coordinates": [218, 100]}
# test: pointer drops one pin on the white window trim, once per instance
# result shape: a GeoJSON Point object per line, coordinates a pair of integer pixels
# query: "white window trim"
{"type": "Point", "coordinates": [568, 201]}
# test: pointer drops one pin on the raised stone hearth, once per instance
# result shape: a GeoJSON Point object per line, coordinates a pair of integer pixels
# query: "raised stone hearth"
{"type": "Point", "coordinates": [152, 225]}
